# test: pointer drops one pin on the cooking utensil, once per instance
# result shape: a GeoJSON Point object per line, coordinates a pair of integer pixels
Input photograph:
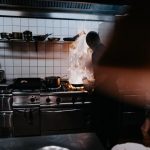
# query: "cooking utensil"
{"type": "Point", "coordinates": [2, 76]}
{"type": "Point", "coordinates": [5, 35]}
{"type": "Point", "coordinates": [77, 85]}
{"type": "Point", "coordinates": [27, 35]}
{"type": "Point", "coordinates": [17, 35]}
{"type": "Point", "coordinates": [52, 81]}
{"type": "Point", "coordinates": [71, 38]}
{"type": "Point", "coordinates": [53, 39]}
{"type": "Point", "coordinates": [27, 83]}
{"type": "Point", "coordinates": [41, 37]}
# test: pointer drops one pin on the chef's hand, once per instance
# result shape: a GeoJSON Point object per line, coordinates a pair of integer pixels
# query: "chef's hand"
{"type": "Point", "coordinates": [145, 128]}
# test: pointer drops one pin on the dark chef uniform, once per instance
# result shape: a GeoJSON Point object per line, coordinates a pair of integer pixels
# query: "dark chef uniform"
{"type": "Point", "coordinates": [104, 107]}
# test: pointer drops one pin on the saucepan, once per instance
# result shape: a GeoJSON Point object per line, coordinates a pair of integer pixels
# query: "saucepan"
{"type": "Point", "coordinates": [52, 81]}
{"type": "Point", "coordinates": [27, 35]}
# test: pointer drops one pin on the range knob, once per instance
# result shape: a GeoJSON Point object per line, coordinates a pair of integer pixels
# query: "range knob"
{"type": "Point", "coordinates": [48, 100]}
{"type": "Point", "coordinates": [32, 99]}
{"type": "Point", "coordinates": [74, 99]}
{"type": "Point", "coordinates": [58, 100]}
{"type": "Point", "coordinates": [83, 100]}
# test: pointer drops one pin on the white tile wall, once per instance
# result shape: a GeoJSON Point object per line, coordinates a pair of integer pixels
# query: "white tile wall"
{"type": "Point", "coordinates": [49, 23]}
{"type": "Point", "coordinates": [22, 59]}
{"type": "Point", "coordinates": [49, 62]}
{"type": "Point", "coordinates": [25, 70]}
{"type": "Point", "coordinates": [7, 21]}
{"type": "Point", "coordinates": [16, 21]}
{"type": "Point", "coordinates": [7, 28]}
{"type": "Point", "coordinates": [25, 62]}
{"type": "Point", "coordinates": [1, 21]}
{"type": "Point", "coordinates": [24, 22]}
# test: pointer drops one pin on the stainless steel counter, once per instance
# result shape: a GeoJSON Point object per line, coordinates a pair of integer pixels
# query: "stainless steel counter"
{"type": "Point", "coordinates": [77, 141]}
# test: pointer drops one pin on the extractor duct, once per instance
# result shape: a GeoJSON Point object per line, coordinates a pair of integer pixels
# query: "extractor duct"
{"type": "Point", "coordinates": [70, 9]}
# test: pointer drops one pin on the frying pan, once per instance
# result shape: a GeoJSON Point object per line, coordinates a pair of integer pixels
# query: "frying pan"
{"type": "Point", "coordinates": [54, 39]}
{"type": "Point", "coordinates": [27, 83]}
{"type": "Point", "coordinates": [77, 85]}
{"type": "Point", "coordinates": [41, 37]}
{"type": "Point", "coordinates": [71, 38]}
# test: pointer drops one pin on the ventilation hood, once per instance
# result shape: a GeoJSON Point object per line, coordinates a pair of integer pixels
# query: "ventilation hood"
{"type": "Point", "coordinates": [62, 9]}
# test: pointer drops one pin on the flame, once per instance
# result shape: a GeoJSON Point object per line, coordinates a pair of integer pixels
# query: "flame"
{"type": "Point", "coordinates": [79, 58]}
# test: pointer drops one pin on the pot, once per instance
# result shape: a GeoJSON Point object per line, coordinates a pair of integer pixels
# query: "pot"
{"type": "Point", "coordinates": [27, 35]}
{"type": "Point", "coordinates": [52, 81]}
{"type": "Point", "coordinates": [2, 76]}
{"type": "Point", "coordinates": [17, 35]}
{"type": "Point", "coordinates": [5, 35]}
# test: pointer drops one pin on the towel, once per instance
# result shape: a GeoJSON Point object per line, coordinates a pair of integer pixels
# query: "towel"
{"type": "Point", "coordinates": [130, 146]}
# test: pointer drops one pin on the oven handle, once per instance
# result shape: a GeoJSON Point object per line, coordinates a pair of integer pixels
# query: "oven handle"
{"type": "Point", "coordinates": [28, 117]}
{"type": "Point", "coordinates": [26, 109]}
{"type": "Point", "coordinates": [60, 110]}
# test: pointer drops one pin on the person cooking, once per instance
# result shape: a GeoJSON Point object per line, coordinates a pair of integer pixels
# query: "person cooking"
{"type": "Point", "coordinates": [103, 117]}
{"type": "Point", "coordinates": [94, 42]}
{"type": "Point", "coordinates": [127, 62]}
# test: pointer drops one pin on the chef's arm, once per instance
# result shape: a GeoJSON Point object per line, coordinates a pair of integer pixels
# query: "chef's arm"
{"type": "Point", "coordinates": [128, 85]}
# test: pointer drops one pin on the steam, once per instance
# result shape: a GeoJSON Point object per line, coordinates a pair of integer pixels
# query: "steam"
{"type": "Point", "coordinates": [80, 57]}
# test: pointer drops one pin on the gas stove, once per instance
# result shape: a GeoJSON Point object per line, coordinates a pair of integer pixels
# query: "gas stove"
{"type": "Point", "coordinates": [44, 110]}
{"type": "Point", "coordinates": [63, 98]}
{"type": "Point", "coordinates": [26, 98]}
{"type": "Point", "coordinates": [43, 96]}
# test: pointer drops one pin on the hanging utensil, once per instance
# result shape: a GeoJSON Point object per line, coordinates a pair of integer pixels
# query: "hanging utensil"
{"type": "Point", "coordinates": [41, 37]}
{"type": "Point", "coordinates": [27, 35]}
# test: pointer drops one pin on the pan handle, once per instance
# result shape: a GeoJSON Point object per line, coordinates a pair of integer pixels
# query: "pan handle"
{"type": "Point", "coordinates": [60, 110]}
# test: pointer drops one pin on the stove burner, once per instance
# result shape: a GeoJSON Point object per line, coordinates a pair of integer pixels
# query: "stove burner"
{"type": "Point", "coordinates": [54, 89]}
{"type": "Point", "coordinates": [76, 88]}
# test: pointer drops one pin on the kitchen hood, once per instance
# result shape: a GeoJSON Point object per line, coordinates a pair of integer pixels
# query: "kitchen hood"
{"type": "Point", "coordinates": [62, 9]}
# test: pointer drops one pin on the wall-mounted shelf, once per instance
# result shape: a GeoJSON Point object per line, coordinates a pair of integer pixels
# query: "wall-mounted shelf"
{"type": "Point", "coordinates": [23, 41]}
{"type": "Point", "coordinates": [36, 42]}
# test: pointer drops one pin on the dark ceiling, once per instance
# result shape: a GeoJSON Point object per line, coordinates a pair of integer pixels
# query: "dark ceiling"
{"type": "Point", "coordinates": [42, 8]}
{"type": "Point", "coordinates": [85, 6]}
{"type": "Point", "coordinates": [120, 2]}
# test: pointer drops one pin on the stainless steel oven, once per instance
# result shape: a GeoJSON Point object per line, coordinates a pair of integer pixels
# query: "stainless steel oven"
{"type": "Point", "coordinates": [26, 121]}
{"type": "Point", "coordinates": [64, 120]}
{"type": "Point", "coordinates": [6, 113]}
{"type": "Point", "coordinates": [26, 113]}
{"type": "Point", "coordinates": [6, 124]}
{"type": "Point", "coordinates": [64, 113]}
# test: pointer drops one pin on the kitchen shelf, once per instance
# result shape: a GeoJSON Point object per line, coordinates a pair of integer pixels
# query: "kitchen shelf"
{"type": "Point", "coordinates": [36, 42]}
{"type": "Point", "coordinates": [23, 41]}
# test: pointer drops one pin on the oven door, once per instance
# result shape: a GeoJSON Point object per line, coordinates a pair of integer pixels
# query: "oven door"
{"type": "Point", "coordinates": [6, 124]}
{"type": "Point", "coordinates": [64, 120]}
{"type": "Point", "coordinates": [26, 121]}
{"type": "Point", "coordinates": [6, 102]}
